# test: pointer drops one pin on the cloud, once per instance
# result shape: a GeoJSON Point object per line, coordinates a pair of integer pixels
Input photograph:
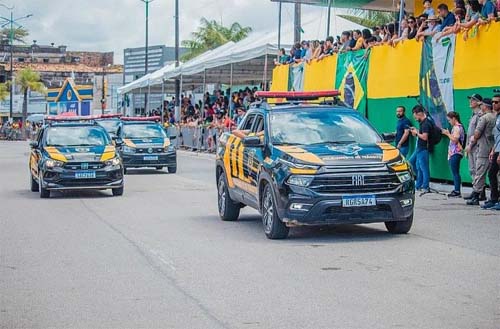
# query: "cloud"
{"type": "Point", "coordinates": [113, 25]}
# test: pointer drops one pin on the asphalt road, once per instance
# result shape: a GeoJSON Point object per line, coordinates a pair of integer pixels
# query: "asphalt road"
{"type": "Point", "coordinates": [159, 257]}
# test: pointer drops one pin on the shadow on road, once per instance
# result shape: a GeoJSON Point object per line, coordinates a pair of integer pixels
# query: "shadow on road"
{"type": "Point", "coordinates": [341, 233]}
{"type": "Point", "coordinates": [132, 172]}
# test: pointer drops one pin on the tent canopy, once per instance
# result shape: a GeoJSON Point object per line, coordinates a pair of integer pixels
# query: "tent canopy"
{"type": "Point", "coordinates": [249, 61]}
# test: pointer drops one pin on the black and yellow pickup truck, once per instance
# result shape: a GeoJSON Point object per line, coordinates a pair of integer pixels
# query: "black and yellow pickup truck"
{"type": "Point", "coordinates": [74, 153]}
{"type": "Point", "coordinates": [300, 163]}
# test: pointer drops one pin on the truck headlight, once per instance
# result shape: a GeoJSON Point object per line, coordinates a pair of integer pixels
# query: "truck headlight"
{"type": "Point", "coordinates": [300, 180]}
{"type": "Point", "coordinates": [404, 177]}
{"type": "Point", "coordinates": [128, 149]}
{"type": "Point", "coordinates": [51, 163]}
{"type": "Point", "coordinates": [113, 162]}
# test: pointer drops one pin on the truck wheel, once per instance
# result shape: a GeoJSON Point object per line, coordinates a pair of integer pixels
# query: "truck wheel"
{"type": "Point", "coordinates": [44, 193]}
{"type": "Point", "coordinates": [273, 226]}
{"type": "Point", "coordinates": [117, 191]}
{"type": "Point", "coordinates": [172, 170]}
{"type": "Point", "coordinates": [229, 210]}
{"type": "Point", "coordinates": [400, 227]}
{"type": "Point", "coordinates": [33, 184]}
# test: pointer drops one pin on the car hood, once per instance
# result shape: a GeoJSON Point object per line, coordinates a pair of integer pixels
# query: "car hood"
{"type": "Point", "coordinates": [331, 154]}
{"type": "Point", "coordinates": [146, 142]}
{"type": "Point", "coordinates": [80, 153]}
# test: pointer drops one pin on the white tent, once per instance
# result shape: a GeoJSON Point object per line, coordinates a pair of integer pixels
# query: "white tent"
{"type": "Point", "coordinates": [249, 61]}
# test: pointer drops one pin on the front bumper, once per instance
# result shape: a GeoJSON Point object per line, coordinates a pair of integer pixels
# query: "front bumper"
{"type": "Point", "coordinates": [64, 179]}
{"type": "Point", "coordinates": [139, 160]}
{"type": "Point", "coordinates": [328, 209]}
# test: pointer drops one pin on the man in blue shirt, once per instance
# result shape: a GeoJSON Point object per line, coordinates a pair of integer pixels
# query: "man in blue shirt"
{"type": "Point", "coordinates": [448, 19]}
{"type": "Point", "coordinates": [402, 131]}
{"type": "Point", "coordinates": [489, 12]}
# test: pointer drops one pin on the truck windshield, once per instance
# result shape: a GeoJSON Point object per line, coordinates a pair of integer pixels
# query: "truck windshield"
{"type": "Point", "coordinates": [77, 136]}
{"type": "Point", "coordinates": [320, 127]}
{"type": "Point", "coordinates": [143, 131]}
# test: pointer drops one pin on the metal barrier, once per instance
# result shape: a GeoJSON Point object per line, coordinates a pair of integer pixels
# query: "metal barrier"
{"type": "Point", "coordinates": [199, 138]}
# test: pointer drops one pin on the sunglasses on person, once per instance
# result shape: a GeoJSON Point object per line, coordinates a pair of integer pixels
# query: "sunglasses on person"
{"type": "Point", "coordinates": [411, 22]}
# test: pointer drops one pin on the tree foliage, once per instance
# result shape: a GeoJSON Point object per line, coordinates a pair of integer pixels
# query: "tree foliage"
{"type": "Point", "coordinates": [4, 91]}
{"type": "Point", "coordinates": [369, 18]}
{"type": "Point", "coordinates": [28, 80]}
{"type": "Point", "coordinates": [20, 34]}
{"type": "Point", "coordinates": [211, 35]}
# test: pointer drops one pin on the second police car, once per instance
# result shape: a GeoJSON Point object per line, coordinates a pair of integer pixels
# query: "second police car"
{"type": "Point", "coordinates": [312, 164]}
{"type": "Point", "coordinates": [143, 142]}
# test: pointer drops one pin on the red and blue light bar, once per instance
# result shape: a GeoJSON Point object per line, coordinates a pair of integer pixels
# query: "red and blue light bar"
{"type": "Point", "coordinates": [154, 119]}
{"type": "Point", "coordinates": [297, 95]}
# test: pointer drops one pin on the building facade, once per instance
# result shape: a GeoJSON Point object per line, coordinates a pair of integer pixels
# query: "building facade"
{"type": "Point", "coordinates": [134, 60]}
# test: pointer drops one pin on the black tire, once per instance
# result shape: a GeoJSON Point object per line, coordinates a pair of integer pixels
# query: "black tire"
{"type": "Point", "coordinates": [400, 227]}
{"type": "Point", "coordinates": [44, 193]}
{"type": "Point", "coordinates": [33, 184]}
{"type": "Point", "coordinates": [117, 191]}
{"type": "Point", "coordinates": [274, 228]}
{"type": "Point", "coordinates": [159, 168]}
{"type": "Point", "coordinates": [229, 210]}
{"type": "Point", "coordinates": [172, 170]}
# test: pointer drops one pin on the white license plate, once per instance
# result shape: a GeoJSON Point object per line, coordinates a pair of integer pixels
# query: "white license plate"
{"type": "Point", "coordinates": [85, 174]}
{"type": "Point", "coordinates": [151, 158]}
{"type": "Point", "coordinates": [359, 201]}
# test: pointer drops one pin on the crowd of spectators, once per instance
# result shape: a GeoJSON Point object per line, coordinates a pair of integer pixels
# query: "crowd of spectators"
{"type": "Point", "coordinates": [439, 22]}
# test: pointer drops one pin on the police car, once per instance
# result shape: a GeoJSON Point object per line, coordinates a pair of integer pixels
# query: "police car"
{"type": "Point", "coordinates": [300, 163]}
{"type": "Point", "coordinates": [144, 143]}
{"type": "Point", "coordinates": [74, 153]}
{"type": "Point", "coordinates": [110, 122]}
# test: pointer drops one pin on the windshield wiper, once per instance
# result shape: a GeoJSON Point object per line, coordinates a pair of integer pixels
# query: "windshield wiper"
{"type": "Point", "coordinates": [287, 144]}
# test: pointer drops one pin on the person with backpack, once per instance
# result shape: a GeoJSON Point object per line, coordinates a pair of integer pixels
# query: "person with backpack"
{"type": "Point", "coordinates": [483, 142]}
{"type": "Point", "coordinates": [425, 144]}
{"type": "Point", "coordinates": [455, 150]}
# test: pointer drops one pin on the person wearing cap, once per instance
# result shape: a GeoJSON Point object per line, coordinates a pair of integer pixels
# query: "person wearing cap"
{"type": "Point", "coordinates": [494, 202]}
{"type": "Point", "coordinates": [429, 28]}
{"type": "Point", "coordinates": [475, 105]}
{"type": "Point", "coordinates": [483, 140]}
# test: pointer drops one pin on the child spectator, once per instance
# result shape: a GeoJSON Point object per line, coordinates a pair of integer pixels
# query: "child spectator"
{"type": "Point", "coordinates": [428, 10]}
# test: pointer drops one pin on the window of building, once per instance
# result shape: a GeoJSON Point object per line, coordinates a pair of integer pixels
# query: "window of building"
{"type": "Point", "coordinates": [20, 59]}
{"type": "Point", "coordinates": [46, 60]}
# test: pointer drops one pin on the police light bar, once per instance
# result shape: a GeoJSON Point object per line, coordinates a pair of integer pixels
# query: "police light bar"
{"type": "Point", "coordinates": [297, 95]}
{"type": "Point", "coordinates": [68, 118]}
{"type": "Point", "coordinates": [109, 116]}
{"type": "Point", "coordinates": [154, 119]}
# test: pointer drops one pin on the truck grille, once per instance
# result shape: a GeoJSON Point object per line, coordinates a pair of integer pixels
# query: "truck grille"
{"type": "Point", "coordinates": [339, 179]}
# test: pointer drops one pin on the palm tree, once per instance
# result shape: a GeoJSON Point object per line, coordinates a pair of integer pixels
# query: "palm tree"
{"type": "Point", "coordinates": [211, 35]}
{"type": "Point", "coordinates": [20, 34]}
{"type": "Point", "coordinates": [4, 91]}
{"type": "Point", "coordinates": [369, 18]}
{"type": "Point", "coordinates": [28, 80]}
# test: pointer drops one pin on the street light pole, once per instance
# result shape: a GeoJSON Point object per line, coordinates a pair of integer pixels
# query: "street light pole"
{"type": "Point", "coordinates": [11, 22]}
{"type": "Point", "coordinates": [146, 96]}
{"type": "Point", "coordinates": [177, 82]}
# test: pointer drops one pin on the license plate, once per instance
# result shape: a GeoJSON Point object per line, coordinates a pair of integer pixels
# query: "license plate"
{"type": "Point", "coordinates": [151, 158]}
{"type": "Point", "coordinates": [359, 201]}
{"type": "Point", "coordinates": [84, 174]}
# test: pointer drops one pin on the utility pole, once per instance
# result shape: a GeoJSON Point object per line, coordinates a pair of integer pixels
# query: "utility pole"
{"type": "Point", "coordinates": [297, 23]}
{"type": "Point", "coordinates": [279, 26]}
{"type": "Point", "coordinates": [177, 82]}
{"type": "Point", "coordinates": [146, 57]}
{"type": "Point", "coordinates": [11, 22]}
{"type": "Point", "coordinates": [329, 17]}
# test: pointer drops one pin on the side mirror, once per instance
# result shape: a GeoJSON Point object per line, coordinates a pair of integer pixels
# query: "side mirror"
{"type": "Point", "coordinates": [172, 137]}
{"type": "Point", "coordinates": [118, 141]}
{"type": "Point", "coordinates": [34, 144]}
{"type": "Point", "coordinates": [389, 137]}
{"type": "Point", "coordinates": [252, 141]}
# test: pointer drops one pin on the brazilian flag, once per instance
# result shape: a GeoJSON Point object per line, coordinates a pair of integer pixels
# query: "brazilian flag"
{"type": "Point", "coordinates": [352, 74]}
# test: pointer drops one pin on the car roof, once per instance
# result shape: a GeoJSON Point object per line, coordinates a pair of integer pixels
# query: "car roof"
{"type": "Point", "coordinates": [140, 122]}
{"type": "Point", "coordinates": [73, 124]}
